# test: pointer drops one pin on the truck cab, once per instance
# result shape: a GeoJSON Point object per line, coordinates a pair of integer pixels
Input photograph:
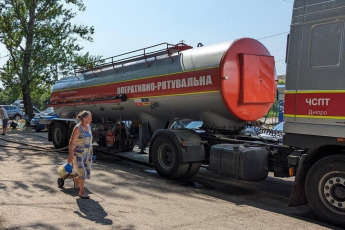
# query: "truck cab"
{"type": "Point", "coordinates": [314, 111]}
{"type": "Point", "coordinates": [315, 80]}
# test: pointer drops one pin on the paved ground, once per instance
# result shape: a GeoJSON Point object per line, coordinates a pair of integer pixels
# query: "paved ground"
{"type": "Point", "coordinates": [130, 196]}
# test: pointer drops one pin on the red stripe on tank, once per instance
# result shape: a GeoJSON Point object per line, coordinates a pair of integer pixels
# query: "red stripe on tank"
{"type": "Point", "coordinates": [182, 83]}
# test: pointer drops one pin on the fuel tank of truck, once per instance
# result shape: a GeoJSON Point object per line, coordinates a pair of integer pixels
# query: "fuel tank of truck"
{"type": "Point", "coordinates": [222, 85]}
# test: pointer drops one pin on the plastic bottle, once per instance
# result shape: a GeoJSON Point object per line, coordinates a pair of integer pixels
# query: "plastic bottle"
{"type": "Point", "coordinates": [64, 169]}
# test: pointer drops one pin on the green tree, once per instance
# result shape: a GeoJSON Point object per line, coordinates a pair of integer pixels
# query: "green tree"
{"type": "Point", "coordinates": [281, 81]}
{"type": "Point", "coordinates": [42, 43]}
{"type": "Point", "coordinates": [8, 95]}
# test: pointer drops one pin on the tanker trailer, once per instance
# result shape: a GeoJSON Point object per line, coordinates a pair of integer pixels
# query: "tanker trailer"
{"type": "Point", "coordinates": [222, 85]}
{"type": "Point", "coordinates": [225, 85]}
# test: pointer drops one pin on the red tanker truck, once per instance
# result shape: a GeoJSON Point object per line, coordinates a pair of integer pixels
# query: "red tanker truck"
{"type": "Point", "coordinates": [226, 86]}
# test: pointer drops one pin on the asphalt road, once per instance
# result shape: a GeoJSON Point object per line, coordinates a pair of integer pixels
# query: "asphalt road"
{"type": "Point", "coordinates": [125, 195]}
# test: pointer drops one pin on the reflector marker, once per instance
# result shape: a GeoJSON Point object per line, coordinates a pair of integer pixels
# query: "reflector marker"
{"type": "Point", "coordinates": [319, 117]}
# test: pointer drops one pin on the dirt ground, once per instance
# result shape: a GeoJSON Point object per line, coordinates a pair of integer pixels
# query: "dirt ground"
{"type": "Point", "coordinates": [125, 195]}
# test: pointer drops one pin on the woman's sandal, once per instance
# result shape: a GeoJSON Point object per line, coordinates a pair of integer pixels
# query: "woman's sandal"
{"type": "Point", "coordinates": [84, 196]}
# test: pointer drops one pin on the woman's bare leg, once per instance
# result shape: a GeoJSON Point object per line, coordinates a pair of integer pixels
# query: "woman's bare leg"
{"type": "Point", "coordinates": [81, 183]}
{"type": "Point", "coordinates": [76, 182]}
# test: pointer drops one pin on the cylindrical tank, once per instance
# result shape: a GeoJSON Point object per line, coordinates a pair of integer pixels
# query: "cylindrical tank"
{"type": "Point", "coordinates": [222, 85]}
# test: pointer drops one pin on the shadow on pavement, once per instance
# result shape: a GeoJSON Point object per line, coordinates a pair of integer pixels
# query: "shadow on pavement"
{"type": "Point", "coordinates": [34, 226]}
{"type": "Point", "coordinates": [93, 211]}
{"type": "Point", "coordinates": [270, 195]}
{"type": "Point", "coordinates": [69, 191]}
{"type": "Point", "coordinates": [89, 209]}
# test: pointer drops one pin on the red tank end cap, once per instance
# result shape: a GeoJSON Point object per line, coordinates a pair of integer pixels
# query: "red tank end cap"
{"type": "Point", "coordinates": [248, 79]}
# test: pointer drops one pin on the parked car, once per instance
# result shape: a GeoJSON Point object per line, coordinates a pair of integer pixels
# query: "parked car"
{"type": "Point", "coordinates": [35, 122]}
{"type": "Point", "coordinates": [13, 112]}
{"type": "Point", "coordinates": [179, 124]}
{"type": "Point", "coordinates": [279, 127]}
{"type": "Point", "coordinates": [17, 102]}
{"type": "Point", "coordinates": [36, 111]}
{"type": "Point", "coordinates": [48, 110]}
{"type": "Point", "coordinates": [196, 126]}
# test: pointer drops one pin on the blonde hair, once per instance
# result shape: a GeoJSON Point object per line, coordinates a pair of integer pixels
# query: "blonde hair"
{"type": "Point", "coordinates": [83, 114]}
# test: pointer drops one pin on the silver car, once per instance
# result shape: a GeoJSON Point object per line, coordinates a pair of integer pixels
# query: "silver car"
{"type": "Point", "coordinates": [36, 111]}
{"type": "Point", "coordinates": [13, 112]}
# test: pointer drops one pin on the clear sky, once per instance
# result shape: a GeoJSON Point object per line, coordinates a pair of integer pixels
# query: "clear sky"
{"type": "Point", "coordinates": [122, 26]}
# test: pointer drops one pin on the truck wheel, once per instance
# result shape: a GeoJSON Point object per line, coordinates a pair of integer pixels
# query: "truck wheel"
{"type": "Point", "coordinates": [166, 158]}
{"type": "Point", "coordinates": [325, 189]}
{"type": "Point", "coordinates": [60, 135]}
{"type": "Point", "coordinates": [193, 169]}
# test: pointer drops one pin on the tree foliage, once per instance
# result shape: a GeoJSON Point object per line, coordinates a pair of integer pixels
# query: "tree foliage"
{"type": "Point", "coordinates": [42, 43]}
{"type": "Point", "coordinates": [281, 81]}
{"type": "Point", "coordinates": [8, 95]}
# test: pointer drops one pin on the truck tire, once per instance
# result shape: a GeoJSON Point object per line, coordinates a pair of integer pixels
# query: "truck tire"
{"type": "Point", "coordinates": [325, 189]}
{"type": "Point", "coordinates": [166, 158]}
{"type": "Point", "coordinates": [192, 169]}
{"type": "Point", "coordinates": [60, 135]}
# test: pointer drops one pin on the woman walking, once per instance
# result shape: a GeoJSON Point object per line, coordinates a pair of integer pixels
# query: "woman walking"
{"type": "Point", "coordinates": [80, 152]}
{"type": "Point", "coordinates": [4, 119]}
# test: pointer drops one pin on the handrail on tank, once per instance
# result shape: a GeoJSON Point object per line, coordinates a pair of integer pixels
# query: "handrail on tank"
{"type": "Point", "coordinates": [128, 57]}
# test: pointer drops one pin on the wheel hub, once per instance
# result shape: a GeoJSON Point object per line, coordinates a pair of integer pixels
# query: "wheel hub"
{"type": "Point", "coordinates": [334, 191]}
{"type": "Point", "coordinates": [165, 156]}
{"type": "Point", "coordinates": [57, 135]}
